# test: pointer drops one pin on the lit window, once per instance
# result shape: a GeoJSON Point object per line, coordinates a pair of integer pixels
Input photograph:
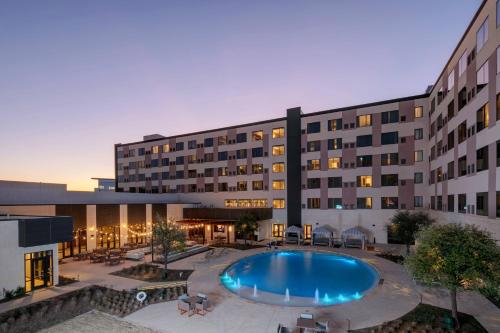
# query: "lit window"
{"type": "Point", "coordinates": [278, 230]}
{"type": "Point", "coordinates": [364, 120]}
{"type": "Point", "coordinates": [278, 150]}
{"type": "Point", "coordinates": [482, 35]}
{"type": "Point", "coordinates": [364, 181]}
{"type": "Point", "coordinates": [257, 135]}
{"type": "Point", "coordinates": [334, 162]}
{"type": "Point", "coordinates": [313, 164]}
{"type": "Point", "coordinates": [278, 184]}
{"type": "Point", "coordinates": [155, 149]}
{"type": "Point", "coordinates": [419, 112]}
{"type": "Point", "coordinates": [257, 185]}
{"type": "Point", "coordinates": [451, 80]}
{"type": "Point", "coordinates": [166, 148]}
{"type": "Point", "coordinates": [230, 203]}
{"type": "Point", "coordinates": [257, 169]}
{"type": "Point", "coordinates": [279, 167]}
{"type": "Point", "coordinates": [364, 203]}
{"type": "Point", "coordinates": [278, 132]}
{"type": "Point", "coordinates": [462, 63]}
{"type": "Point", "coordinates": [279, 203]}
{"type": "Point", "coordinates": [419, 155]}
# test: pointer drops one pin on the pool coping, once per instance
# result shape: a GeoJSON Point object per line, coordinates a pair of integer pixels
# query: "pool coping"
{"type": "Point", "coordinates": [376, 284]}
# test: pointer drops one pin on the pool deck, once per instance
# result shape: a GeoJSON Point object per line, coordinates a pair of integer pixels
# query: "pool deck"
{"type": "Point", "coordinates": [388, 301]}
{"type": "Point", "coordinates": [395, 297]}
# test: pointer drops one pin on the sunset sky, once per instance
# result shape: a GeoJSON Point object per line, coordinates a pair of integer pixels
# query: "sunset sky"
{"type": "Point", "coordinates": [76, 77]}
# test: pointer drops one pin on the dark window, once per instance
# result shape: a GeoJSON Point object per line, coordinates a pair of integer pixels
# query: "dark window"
{"type": "Point", "coordinates": [334, 182]}
{"type": "Point", "coordinates": [498, 106]}
{"type": "Point", "coordinates": [334, 144]}
{"type": "Point", "coordinates": [335, 124]}
{"type": "Point", "coordinates": [389, 138]}
{"type": "Point", "coordinates": [482, 159]}
{"type": "Point", "coordinates": [257, 152]}
{"type": "Point", "coordinates": [164, 161]}
{"type": "Point", "coordinates": [462, 166]}
{"type": "Point", "coordinates": [451, 140]}
{"type": "Point", "coordinates": [141, 151]}
{"type": "Point", "coordinates": [451, 203]}
{"type": "Point", "coordinates": [451, 170]}
{"type": "Point", "coordinates": [451, 109]}
{"type": "Point", "coordinates": [418, 178]}
{"type": "Point", "coordinates": [192, 144]}
{"type": "Point", "coordinates": [241, 137]}
{"type": "Point", "coordinates": [462, 98]}
{"type": "Point", "coordinates": [498, 153]}
{"type": "Point", "coordinates": [482, 203]}
{"type": "Point", "coordinates": [209, 187]}
{"type": "Point", "coordinates": [314, 146]}
{"type": "Point", "coordinates": [154, 176]}
{"type": "Point", "coordinates": [154, 163]}
{"type": "Point", "coordinates": [241, 153]}
{"type": "Point", "coordinates": [389, 180]}
{"type": "Point", "coordinates": [222, 187]}
{"type": "Point", "coordinates": [313, 183]}
{"type": "Point", "coordinates": [389, 203]}
{"type": "Point", "coordinates": [179, 174]}
{"type": "Point", "coordinates": [390, 117]}
{"type": "Point", "coordinates": [462, 132]}
{"type": "Point", "coordinates": [179, 146]}
{"type": "Point", "coordinates": [389, 159]}
{"type": "Point", "coordinates": [222, 156]}
{"type": "Point", "coordinates": [208, 157]}
{"type": "Point", "coordinates": [364, 161]}
{"type": "Point", "coordinates": [462, 203]}
{"type": "Point", "coordinates": [209, 142]}
{"type": "Point", "coordinates": [179, 160]}
{"type": "Point", "coordinates": [209, 172]}
{"type": "Point", "coordinates": [314, 127]}
{"type": "Point", "coordinates": [335, 203]}
{"type": "Point", "coordinates": [419, 133]}
{"type": "Point", "coordinates": [363, 140]}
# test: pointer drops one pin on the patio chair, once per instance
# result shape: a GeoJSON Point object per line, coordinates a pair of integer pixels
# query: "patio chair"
{"type": "Point", "coordinates": [321, 327]}
{"type": "Point", "coordinates": [201, 308]}
{"type": "Point", "coordinates": [184, 307]}
{"type": "Point", "coordinates": [283, 329]}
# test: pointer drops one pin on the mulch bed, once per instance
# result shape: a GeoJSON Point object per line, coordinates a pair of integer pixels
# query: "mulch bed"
{"type": "Point", "coordinates": [398, 259]}
{"type": "Point", "coordinates": [153, 273]}
{"type": "Point", "coordinates": [427, 318]}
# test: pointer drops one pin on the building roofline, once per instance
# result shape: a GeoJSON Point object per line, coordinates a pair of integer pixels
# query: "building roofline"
{"type": "Point", "coordinates": [347, 108]}
{"type": "Point", "coordinates": [366, 105]}
{"type": "Point", "coordinates": [458, 44]}
{"type": "Point", "coordinates": [203, 132]}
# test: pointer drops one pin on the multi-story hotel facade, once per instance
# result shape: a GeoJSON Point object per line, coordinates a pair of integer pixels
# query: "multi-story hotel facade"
{"type": "Point", "coordinates": [352, 166]}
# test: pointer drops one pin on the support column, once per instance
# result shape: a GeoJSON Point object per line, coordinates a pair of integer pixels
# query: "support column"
{"type": "Point", "coordinates": [149, 218]}
{"type": "Point", "coordinates": [91, 227]}
{"type": "Point", "coordinates": [123, 224]}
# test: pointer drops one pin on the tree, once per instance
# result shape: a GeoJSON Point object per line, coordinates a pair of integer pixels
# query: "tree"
{"type": "Point", "coordinates": [246, 226]}
{"type": "Point", "coordinates": [456, 257]}
{"type": "Point", "coordinates": [405, 226]}
{"type": "Point", "coordinates": [169, 236]}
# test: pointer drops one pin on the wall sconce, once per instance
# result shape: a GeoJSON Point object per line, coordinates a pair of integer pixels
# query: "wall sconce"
{"type": "Point", "coordinates": [230, 228]}
{"type": "Point", "coordinates": [91, 229]}
{"type": "Point", "coordinates": [208, 227]}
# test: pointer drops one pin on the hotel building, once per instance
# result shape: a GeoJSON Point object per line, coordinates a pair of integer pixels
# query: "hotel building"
{"type": "Point", "coordinates": [353, 166]}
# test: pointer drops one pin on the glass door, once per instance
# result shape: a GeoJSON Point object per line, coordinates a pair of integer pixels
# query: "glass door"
{"type": "Point", "coordinates": [38, 270]}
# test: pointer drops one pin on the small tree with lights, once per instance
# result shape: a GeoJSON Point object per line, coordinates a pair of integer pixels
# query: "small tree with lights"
{"type": "Point", "coordinates": [169, 237]}
{"type": "Point", "coordinates": [246, 226]}
{"type": "Point", "coordinates": [457, 258]}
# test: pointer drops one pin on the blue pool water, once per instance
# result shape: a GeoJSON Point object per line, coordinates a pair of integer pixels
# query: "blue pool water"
{"type": "Point", "coordinates": [323, 278]}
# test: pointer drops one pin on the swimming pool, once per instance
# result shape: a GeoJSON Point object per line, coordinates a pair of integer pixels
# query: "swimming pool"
{"type": "Point", "coordinates": [300, 278]}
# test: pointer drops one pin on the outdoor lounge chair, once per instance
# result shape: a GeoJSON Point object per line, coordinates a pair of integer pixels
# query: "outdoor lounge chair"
{"type": "Point", "coordinates": [321, 327]}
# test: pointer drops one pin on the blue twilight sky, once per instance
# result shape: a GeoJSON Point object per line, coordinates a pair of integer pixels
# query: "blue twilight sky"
{"type": "Point", "coordinates": [76, 77]}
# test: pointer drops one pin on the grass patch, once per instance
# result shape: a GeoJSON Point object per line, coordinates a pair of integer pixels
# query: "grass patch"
{"type": "Point", "coordinates": [153, 273]}
{"type": "Point", "coordinates": [427, 318]}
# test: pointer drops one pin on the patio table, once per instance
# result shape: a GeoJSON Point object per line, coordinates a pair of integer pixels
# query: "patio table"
{"type": "Point", "coordinates": [306, 324]}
